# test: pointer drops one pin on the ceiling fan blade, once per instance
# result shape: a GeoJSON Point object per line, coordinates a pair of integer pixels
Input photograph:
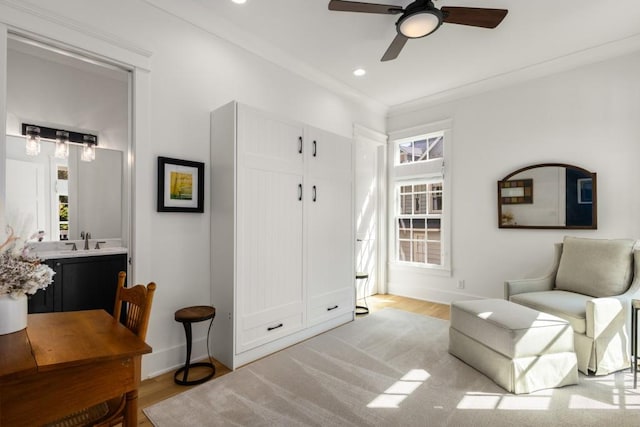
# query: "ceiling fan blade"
{"type": "Point", "coordinates": [394, 48]}
{"type": "Point", "coordinates": [352, 6]}
{"type": "Point", "coordinates": [476, 17]}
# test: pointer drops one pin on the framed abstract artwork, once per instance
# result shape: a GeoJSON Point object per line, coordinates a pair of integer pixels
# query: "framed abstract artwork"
{"type": "Point", "coordinates": [180, 185]}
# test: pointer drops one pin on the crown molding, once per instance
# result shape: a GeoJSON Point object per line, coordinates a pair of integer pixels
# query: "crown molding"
{"type": "Point", "coordinates": [552, 66]}
{"type": "Point", "coordinates": [203, 19]}
{"type": "Point", "coordinates": [365, 132]}
{"type": "Point", "coordinates": [19, 14]}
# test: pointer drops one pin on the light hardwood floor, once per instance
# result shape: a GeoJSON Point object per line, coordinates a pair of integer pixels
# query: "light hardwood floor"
{"type": "Point", "coordinates": [162, 387]}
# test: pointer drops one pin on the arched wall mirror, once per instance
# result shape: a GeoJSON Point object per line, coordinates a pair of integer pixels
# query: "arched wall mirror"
{"type": "Point", "coordinates": [548, 195]}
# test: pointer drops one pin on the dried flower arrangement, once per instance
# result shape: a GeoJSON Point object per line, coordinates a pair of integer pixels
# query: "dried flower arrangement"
{"type": "Point", "coordinates": [20, 272]}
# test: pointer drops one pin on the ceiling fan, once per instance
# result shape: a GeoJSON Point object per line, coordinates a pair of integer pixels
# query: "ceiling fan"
{"type": "Point", "coordinates": [422, 18]}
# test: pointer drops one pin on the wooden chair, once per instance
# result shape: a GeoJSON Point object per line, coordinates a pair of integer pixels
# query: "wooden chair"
{"type": "Point", "coordinates": [137, 301]}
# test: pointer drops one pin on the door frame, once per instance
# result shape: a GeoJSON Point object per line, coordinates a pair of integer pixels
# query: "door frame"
{"type": "Point", "coordinates": [363, 134]}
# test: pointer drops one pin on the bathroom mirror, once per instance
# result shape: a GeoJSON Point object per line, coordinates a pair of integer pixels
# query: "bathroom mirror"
{"type": "Point", "coordinates": [63, 197]}
{"type": "Point", "coordinates": [549, 195]}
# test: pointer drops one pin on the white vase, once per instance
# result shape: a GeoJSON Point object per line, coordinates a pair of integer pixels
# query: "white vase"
{"type": "Point", "coordinates": [13, 314]}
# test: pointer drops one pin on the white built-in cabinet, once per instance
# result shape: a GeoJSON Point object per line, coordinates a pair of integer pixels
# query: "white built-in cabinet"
{"type": "Point", "coordinates": [282, 235]}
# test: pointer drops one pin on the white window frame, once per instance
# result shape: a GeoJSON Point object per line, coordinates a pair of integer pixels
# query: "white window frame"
{"type": "Point", "coordinates": [426, 217]}
{"type": "Point", "coordinates": [430, 170]}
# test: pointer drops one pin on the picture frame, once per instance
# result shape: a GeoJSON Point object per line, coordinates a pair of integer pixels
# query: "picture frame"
{"type": "Point", "coordinates": [180, 185]}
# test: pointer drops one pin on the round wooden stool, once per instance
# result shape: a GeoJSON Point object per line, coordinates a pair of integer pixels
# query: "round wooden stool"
{"type": "Point", "coordinates": [187, 316]}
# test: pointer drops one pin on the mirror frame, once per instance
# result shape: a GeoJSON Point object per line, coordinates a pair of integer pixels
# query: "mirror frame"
{"type": "Point", "coordinates": [505, 183]}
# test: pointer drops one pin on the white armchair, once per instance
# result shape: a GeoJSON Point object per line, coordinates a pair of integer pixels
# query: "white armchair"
{"type": "Point", "coordinates": [591, 285]}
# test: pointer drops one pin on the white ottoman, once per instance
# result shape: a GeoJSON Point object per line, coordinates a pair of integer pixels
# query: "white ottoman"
{"type": "Point", "coordinates": [521, 349]}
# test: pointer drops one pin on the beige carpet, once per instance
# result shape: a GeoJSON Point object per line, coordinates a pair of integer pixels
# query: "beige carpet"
{"type": "Point", "coordinates": [388, 369]}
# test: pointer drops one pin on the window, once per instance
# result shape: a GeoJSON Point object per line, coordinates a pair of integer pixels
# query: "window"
{"type": "Point", "coordinates": [420, 149]}
{"type": "Point", "coordinates": [62, 194]}
{"type": "Point", "coordinates": [419, 222]}
{"type": "Point", "coordinates": [419, 210]}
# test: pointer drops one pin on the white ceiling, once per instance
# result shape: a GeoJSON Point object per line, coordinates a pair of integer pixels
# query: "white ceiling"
{"type": "Point", "coordinates": [327, 45]}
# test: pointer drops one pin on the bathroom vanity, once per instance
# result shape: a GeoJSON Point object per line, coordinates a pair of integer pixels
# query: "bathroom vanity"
{"type": "Point", "coordinates": [84, 280]}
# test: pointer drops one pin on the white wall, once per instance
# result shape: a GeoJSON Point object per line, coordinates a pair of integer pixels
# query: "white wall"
{"type": "Point", "coordinates": [587, 117]}
{"type": "Point", "coordinates": [191, 73]}
{"type": "Point", "coordinates": [46, 92]}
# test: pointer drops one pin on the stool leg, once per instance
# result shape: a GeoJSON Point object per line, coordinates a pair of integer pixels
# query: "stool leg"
{"type": "Point", "coordinates": [634, 344]}
{"type": "Point", "coordinates": [187, 331]}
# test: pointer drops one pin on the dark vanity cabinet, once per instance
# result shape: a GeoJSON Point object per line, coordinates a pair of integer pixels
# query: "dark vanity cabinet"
{"type": "Point", "coordinates": [82, 283]}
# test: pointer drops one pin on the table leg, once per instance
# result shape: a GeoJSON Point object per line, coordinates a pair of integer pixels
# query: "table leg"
{"type": "Point", "coordinates": [131, 409]}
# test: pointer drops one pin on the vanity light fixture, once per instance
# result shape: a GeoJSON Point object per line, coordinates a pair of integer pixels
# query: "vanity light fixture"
{"type": "Point", "coordinates": [33, 139]}
{"type": "Point", "coordinates": [89, 149]}
{"type": "Point", "coordinates": [239, 1]}
{"type": "Point", "coordinates": [62, 139]}
{"type": "Point", "coordinates": [62, 144]}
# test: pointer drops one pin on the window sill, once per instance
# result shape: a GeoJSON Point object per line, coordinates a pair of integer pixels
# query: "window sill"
{"type": "Point", "coordinates": [441, 271]}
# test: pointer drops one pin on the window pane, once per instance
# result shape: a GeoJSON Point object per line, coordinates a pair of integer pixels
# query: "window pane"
{"type": "Point", "coordinates": [435, 198]}
{"type": "Point", "coordinates": [63, 211]}
{"type": "Point", "coordinates": [433, 253]}
{"type": "Point", "coordinates": [435, 147]}
{"type": "Point", "coordinates": [420, 150]}
{"type": "Point", "coordinates": [404, 251]}
{"type": "Point", "coordinates": [419, 252]}
{"type": "Point", "coordinates": [63, 172]}
{"type": "Point", "coordinates": [418, 224]}
{"type": "Point", "coordinates": [406, 152]}
{"type": "Point", "coordinates": [404, 189]}
{"type": "Point", "coordinates": [420, 203]}
{"type": "Point", "coordinates": [406, 205]}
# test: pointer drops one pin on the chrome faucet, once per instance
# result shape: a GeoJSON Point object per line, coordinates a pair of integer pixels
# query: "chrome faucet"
{"type": "Point", "coordinates": [86, 236]}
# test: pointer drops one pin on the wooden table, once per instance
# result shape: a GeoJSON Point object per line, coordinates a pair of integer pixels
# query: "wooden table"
{"type": "Point", "coordinates": [64, 362]}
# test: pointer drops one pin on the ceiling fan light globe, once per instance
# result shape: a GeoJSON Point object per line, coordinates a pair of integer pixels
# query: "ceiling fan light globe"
{"type": "Point", "coordinates": [419, 24]}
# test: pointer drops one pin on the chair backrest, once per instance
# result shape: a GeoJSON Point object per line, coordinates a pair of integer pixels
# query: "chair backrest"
{"type": "Point", "coordinates": [138, 299]}
{"type": "Point", "coordinates": [595, 267]}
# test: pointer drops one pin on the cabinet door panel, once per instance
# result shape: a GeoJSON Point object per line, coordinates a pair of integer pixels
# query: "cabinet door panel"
{"type": "Point", "coordinates": [330, 239]}
{"type": "Point", "coordinates": [328, 155]}
{"type": "Point", "coordinates": [43, 300]}
{"type": "Point", "coordinates": [89, 283]}
{"type": "Point", "coordinates": [269, 242]}
{"type": "Point", "coordinates": [268, 142]}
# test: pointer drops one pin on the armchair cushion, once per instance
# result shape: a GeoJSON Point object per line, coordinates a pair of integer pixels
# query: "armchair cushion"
{"type": "Point", "coordinates": [566, 305]}
{"type": "Point", "coordinates": [595, 267]}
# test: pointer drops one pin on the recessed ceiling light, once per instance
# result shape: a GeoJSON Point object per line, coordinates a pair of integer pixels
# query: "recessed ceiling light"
{"type": "Point", "coordinates": [359, 72]}
{"type": "Point", "coordinates": [239, 1]}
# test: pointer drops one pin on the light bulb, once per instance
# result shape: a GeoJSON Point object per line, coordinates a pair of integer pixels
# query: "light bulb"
{"type": "Point", "coordinates": [88, 149]}
{"type": "Point", "coordinates": [62, 144]}
{"type": "Point", "coordinates": [33, 141]}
